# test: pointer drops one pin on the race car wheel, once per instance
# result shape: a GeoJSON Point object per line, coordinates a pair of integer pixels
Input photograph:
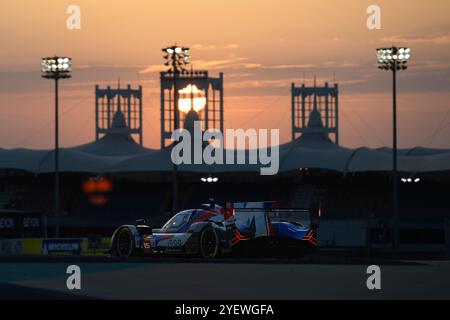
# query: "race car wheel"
{"type": "Point", "coordinates": [209, 243]}
{"type": "Point", "coordinates": [124, 243]}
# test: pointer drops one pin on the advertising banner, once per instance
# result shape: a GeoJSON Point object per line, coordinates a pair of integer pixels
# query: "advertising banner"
{"type": "Point", "coordinates": [73, 246]}
{"type": "Point", "coordinates": [15, 224]}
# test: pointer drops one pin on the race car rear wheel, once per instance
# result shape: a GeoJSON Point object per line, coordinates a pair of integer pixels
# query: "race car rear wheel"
{"type": "Point", "coordinates": [124, 243]}
{"type": "Point", "coordinates": [209, 243]}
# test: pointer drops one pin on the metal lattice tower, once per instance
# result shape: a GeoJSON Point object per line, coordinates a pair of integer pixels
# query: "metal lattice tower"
{"type": "Point", "coordinates": [124, 102]}
{"type": "Point", "coordinates": [210, 88]}
{"type": "Point", "coordinates": [322, 99]}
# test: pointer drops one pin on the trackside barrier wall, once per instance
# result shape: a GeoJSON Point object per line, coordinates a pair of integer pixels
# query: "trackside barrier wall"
{"type": "Point", "coordinates": [342, 233]}
{"type": "Point", "coordinates": [352, 233]}
{"type": "Point", "coordinates": [62, 246]}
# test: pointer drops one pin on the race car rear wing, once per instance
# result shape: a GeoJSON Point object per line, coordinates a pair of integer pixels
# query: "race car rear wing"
{"type": "Point", "coordinates": [256, 217]}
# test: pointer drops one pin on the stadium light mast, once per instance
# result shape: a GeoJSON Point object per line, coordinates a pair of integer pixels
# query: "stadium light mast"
{"type": "Point", "coordinates": [394, 59]}
{"type": "Point", "coordinates": [56, 68]}
{"type": "Point", "coordinates": [176, 58]}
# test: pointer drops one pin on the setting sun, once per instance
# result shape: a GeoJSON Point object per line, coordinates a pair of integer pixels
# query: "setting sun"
{"type": "Point", "coordinates": [189, 96]}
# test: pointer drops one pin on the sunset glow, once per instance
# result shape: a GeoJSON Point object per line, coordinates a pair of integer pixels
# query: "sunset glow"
{"type": "Point", "coordinates": [260, 46]}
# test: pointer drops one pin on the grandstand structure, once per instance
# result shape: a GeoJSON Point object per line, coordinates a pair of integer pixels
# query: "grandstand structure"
{"type": "Point", "coordinates": [307, 102]}
{"type": "Point", "coordinates": [350, 186]}
{"type": "Point", "coordinates": [125, 104]}
{"type": "Point", "coordinates": [199, 95]}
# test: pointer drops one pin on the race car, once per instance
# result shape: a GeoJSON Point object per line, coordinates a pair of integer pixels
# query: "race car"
{"type": "Point", "coordinates": [212, 230]}
{"type": "Point", "coordinates": [205, 231]}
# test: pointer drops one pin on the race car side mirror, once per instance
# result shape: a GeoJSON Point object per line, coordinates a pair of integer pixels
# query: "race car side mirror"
{"type": "Point", "coordinates": [212, 203]}
{"type": "Point", "coordinates": [145, 222]}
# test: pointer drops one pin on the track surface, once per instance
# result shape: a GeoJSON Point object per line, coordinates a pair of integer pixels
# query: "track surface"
{"type": "Point", "coordinates": [226, 279]}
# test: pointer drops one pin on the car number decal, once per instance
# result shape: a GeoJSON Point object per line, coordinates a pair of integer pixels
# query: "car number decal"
{"type": "Point", "coordinates": [174, 243]}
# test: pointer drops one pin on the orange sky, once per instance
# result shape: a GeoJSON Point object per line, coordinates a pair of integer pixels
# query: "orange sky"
{"type": "Point", "coordinates": [261, 46]}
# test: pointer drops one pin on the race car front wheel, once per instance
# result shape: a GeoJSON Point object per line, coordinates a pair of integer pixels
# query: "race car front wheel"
{"type": "Point", "coordinates": [209, 243]}
{"type": "Point", "coordinates": [124, 243]}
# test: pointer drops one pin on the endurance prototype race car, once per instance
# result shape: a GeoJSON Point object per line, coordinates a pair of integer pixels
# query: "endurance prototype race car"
{"type": "Point", "coordinates": [246, 228]}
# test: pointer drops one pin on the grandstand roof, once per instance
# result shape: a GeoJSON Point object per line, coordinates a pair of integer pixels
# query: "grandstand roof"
{"type": "Point", "coordinates": [118, 152]}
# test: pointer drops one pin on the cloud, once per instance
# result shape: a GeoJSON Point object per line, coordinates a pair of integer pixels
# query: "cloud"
{"type": "Point", "coordinates": [326, 64]}
{"type": "Point", "coordinates": [243, 63]}
{"type": "Point", "coordinates": [336, 64]}
{"type": "Point", "coordinates": [152, 68]}
{"type": "Point", "coordinates": [234, 63]}
{"type": "Point", "coordinates": [432, 38]}
{"type": "Point", "coordinates": [430, 64]}
{"type": "Point", "coordinates": [251, 65]}
{"type": "Point", "coordinates": [292, 66]}
{"type": "Point", "coordinates": [259, 83]}
{"type": "Point", "coordinates": [239, 75]}
{"type": "Point", "coordinates": [214, 47]}
{"type": "Point", "coordinates": [285, 82]}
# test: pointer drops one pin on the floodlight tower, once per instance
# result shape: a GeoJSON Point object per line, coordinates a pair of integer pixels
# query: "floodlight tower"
{"type": "Point", "coordinates": [56, 68]}
{"type": "Point", "coordinates": [176, 58]}
{"type": "Point", "coordinates": [394, 59]}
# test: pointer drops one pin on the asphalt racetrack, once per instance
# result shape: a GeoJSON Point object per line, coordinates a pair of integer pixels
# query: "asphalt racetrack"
{"type": "Point", "coordinates": [225, 279]}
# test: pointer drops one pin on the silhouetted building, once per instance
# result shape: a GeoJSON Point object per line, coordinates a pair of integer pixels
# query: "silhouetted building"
{"type": "Point", "coordinates": [118, 111]}
{"type": "Point", "coordinates": [315, 110]}
{"type": "Point", "coordinates": [197, 92]}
